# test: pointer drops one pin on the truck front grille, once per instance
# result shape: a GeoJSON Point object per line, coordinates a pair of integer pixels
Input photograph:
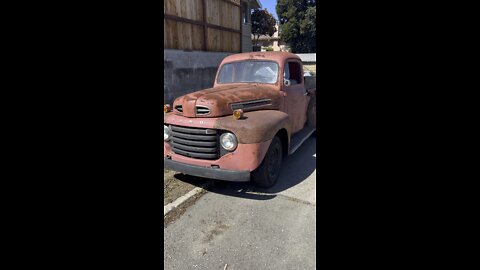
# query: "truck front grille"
{"type": "Point", "coordinates": [199, 143]}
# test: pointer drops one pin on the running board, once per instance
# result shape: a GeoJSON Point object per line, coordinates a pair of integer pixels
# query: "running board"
{"type": "Point", "coordinates": [299, 138]}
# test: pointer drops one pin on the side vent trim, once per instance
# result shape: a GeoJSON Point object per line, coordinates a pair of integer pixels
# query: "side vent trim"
{"type": "Point", "coordinates": [179, 109]}
{"type": "Point", "coordinates": [253, 104]}
{"type": "Point", "coordinates": [202, 110]}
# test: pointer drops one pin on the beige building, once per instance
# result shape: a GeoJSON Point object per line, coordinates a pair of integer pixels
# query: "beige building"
{"type": "Point", "coordinates": [274, 42]}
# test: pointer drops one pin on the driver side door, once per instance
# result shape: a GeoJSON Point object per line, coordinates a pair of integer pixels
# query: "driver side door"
{"type": "Point", "coordinates": [295, 98]}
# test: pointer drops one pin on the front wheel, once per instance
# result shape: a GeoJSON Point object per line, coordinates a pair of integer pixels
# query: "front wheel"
{"type": "Point", "coordinates": [267, 173]}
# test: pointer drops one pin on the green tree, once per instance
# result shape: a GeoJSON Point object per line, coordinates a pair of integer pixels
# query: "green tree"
{"type": "Point", "coordinates": [298, 19]}
{"type": "Point", "coordinates": [263, 23]}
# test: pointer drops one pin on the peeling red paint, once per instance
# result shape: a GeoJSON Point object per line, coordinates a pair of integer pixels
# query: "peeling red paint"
{"type": "Point", "coordinates": [278, 108]}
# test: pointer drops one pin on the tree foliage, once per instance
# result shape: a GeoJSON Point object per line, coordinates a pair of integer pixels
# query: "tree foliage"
{"type": "Point", "coordinates": [263, 23]}
{"type": "Point", "coordinates": [298, 19]}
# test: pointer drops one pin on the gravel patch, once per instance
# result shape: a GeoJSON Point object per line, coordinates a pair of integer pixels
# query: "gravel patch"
{"type": "Point", "coordinates": [175, 185]}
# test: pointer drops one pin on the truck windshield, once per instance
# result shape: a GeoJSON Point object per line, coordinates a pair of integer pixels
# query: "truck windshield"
{"type": "Point", "coordinates": [249, 72]}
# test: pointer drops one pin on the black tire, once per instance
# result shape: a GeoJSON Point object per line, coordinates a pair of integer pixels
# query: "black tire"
{"type": "Point", "coordinates": [266, 175]}
{"type": "Point", "coordinates": [312, 113]}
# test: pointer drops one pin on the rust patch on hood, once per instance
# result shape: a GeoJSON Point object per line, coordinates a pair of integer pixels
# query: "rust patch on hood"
{"type": "Point", "coordinates": [220, 98]}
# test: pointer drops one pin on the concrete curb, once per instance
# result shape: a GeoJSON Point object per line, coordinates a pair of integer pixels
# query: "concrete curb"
{"type": "Point", "coordinates": [169, 207]}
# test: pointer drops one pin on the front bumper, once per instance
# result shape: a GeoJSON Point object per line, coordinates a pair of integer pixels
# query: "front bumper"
{"type": "Point", "coordinates": [219, 174]}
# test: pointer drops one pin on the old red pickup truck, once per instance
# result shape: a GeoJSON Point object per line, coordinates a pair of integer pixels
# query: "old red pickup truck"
{"type": "Point", "coordinates": [260, 109]}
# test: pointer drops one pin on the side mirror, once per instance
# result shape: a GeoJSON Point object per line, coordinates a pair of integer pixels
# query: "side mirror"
{"type": "Point", "coordinates": [287, 82]}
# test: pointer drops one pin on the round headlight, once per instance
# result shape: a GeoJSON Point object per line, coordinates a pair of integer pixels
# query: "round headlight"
{"type": "Point", "coordinates": [228, 141]}
{"type": "Point", "coordinates": [166, 133]}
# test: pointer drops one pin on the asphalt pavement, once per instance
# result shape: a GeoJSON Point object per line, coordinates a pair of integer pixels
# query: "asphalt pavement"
{"type": "Point", "coordinates": [239, 226]}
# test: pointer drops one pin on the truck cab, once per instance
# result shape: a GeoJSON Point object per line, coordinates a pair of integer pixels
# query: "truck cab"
{"type": "Point", "coordinates": [260, 109]}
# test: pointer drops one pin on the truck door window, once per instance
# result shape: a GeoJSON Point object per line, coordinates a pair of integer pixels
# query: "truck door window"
{"type": "Point", "coordinates": [286, 73]}
{"type": "Point", "coordinates": [293, 72]}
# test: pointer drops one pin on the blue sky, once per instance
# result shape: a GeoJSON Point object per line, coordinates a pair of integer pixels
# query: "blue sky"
{"type": "Point", "coordinates": [270, 6]}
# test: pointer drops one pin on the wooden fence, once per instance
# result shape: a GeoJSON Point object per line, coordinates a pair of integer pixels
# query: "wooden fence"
{"type": "Point", "coordinates": [204, 25]}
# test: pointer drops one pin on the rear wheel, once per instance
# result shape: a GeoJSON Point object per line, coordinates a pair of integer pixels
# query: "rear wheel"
{"type": "Point", "coordinates": [267, 173]}
{"type": "Point", "coordinates": [312, 113]}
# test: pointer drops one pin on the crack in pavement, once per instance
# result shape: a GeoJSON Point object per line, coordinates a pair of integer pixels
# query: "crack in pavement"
{"type": "Point", "coordinates": [296, 200]}
{"type": "Point", "coordinates": [293, 199]}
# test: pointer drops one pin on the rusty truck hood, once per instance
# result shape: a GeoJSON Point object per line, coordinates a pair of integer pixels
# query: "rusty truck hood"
{"type": "Point", "coordinates": [222, 100]}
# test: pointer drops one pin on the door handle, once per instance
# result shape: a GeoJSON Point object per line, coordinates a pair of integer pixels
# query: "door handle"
{"type": "Point", "coordinates": [306, 93]}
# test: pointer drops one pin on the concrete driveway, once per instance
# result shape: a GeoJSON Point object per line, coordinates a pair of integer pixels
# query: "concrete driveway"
{"type": "Point", "coordinates": [243, 227]}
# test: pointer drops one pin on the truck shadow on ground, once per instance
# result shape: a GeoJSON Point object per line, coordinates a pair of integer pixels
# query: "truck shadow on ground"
{"type": "Point", "coordinates": [295, 169]}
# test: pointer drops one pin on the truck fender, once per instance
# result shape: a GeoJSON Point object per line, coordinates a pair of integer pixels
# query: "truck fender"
{"type": "Point", "coordinates": [256, 126]}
